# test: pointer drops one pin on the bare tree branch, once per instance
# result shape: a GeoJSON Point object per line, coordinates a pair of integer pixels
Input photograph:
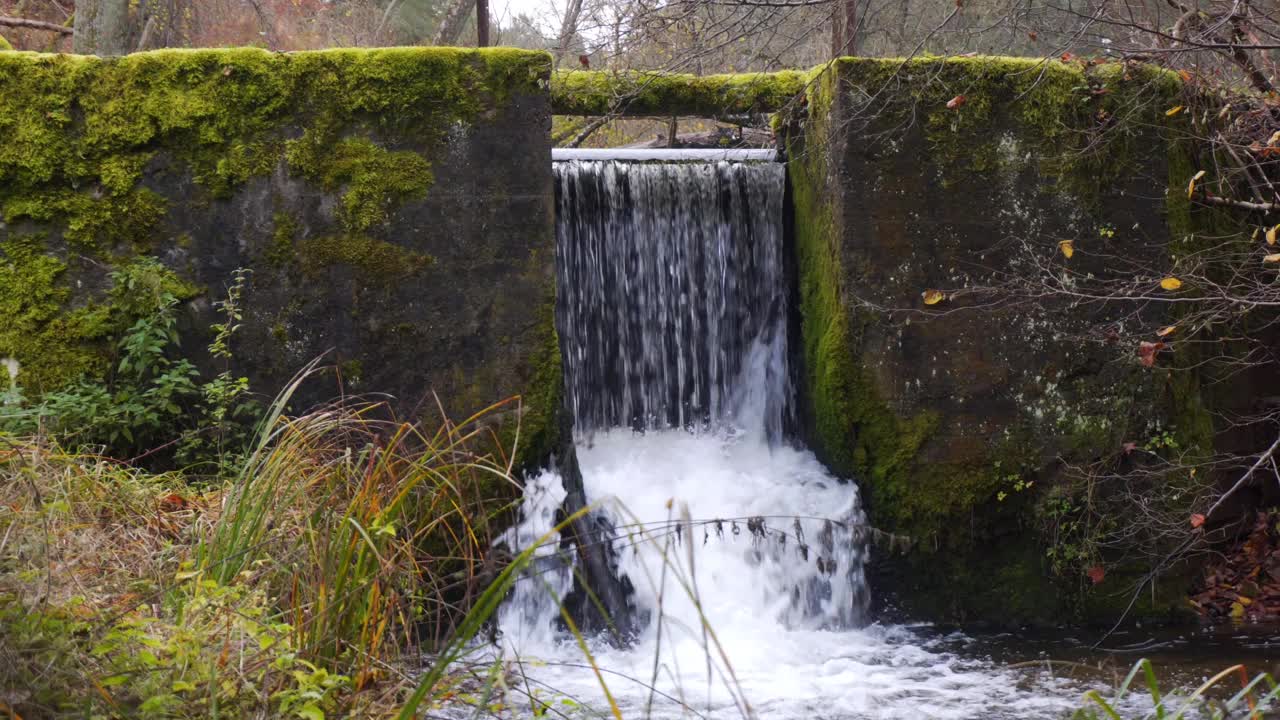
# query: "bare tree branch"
{"type": "Point", "coordinates": [34, 25]}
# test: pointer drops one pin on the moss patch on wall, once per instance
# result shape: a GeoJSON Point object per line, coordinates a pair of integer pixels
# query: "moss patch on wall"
{"type": "Point", "coordinates": [376, 261]}
{"type": "Point", "coordinates": [590, 92]}
{"type": "Point", "coordinates": [81, 130]}
{"type": "Point", "coordinates": [53, 343]}
{"type": "Point", "coordinates": [107, 158]}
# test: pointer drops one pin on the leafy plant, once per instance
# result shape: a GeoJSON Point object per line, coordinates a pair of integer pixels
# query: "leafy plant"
{"type": "Point", "coordinates": [139, 409]}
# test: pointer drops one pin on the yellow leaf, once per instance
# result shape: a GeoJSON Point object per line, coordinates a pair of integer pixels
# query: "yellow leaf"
{"type": "Point", "coordinates": [1191, 186]}
{"type": "Point", "coordinates": [1273, 257]}
{"type": "Point", "coordinates": [1174, 110]}
{"type": "Point", "coordinates": [1067, 247]}
{"type": "Point", "coordinates": [1271, 235]}
{"type": "Point", "coordinates": [1171, 283]}
{"type": "Point", "coordinates": [1254, 236]}
{"type": "Point", "coordinates": [1237, 610]}
{"type": "Point", "coordinates": [932, 297]}
{"type": "Point", "coordinates": [1275, 138]}
{"type": "Point", "coordinates": [1245, 601]}
{"type": "Point", "coordinates": [1165, 332]}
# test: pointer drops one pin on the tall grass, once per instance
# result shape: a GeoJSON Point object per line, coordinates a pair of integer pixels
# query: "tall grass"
{"type": "Point", "coordinates": [309, 583]}
{"type": "Point", "coordinates": [1214, 699]}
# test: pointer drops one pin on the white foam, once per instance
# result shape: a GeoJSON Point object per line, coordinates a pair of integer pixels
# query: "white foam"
{"type": "Point", "coordinates": [765, 658]}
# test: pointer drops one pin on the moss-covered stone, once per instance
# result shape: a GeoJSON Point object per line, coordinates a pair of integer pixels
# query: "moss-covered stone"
{"type": "Point", "coordinates": [957, 420]}
{"type": "Point", "coordinates": [317, 171]}
{"type": "Point", "coordinates": [587, 92]}
{"type": "Point", "coordinates": [53, 342]}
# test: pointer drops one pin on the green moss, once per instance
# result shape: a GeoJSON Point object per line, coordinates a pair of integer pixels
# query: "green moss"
{"type": "Point", "coordinates": [540, 427]}
{"type": "Point", "coordinates": [54, 342]}
{"type": "Point", "coordinates": [351, 371]}
{"type": "Point", "coordinates": [77, 128]}
{"type": "Point", "coordinates": [1084, 125]}
{"type": "Point", "coordinates": [376, 180]}
{"type": "Point", "coordinates": [4, 44]}
{"type": "Point", "coordinates": [281, 250]}
{"type": "Point", "coordinates": [584, 92]}
{"type": "Point", "coordinates": [375, 261]}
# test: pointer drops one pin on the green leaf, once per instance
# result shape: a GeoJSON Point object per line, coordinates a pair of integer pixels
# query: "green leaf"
{"type": "Point", "coordinates": [310, 712]}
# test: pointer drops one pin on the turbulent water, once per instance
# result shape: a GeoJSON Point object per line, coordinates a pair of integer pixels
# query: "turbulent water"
{"type": "Point", "coordinates": [745, 555]}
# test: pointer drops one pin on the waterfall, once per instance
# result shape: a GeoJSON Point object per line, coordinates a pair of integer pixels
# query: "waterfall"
{"type": "Point", "coordinates": [671, 285]}
{"type": "Point", "coordinates": [673, 322]}
{"type": "Point", "coordinates": [729, 557]}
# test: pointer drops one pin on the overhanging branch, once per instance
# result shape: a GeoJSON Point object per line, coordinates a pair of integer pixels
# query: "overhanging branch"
{"type": "Point", "coordinates": [34, 25]}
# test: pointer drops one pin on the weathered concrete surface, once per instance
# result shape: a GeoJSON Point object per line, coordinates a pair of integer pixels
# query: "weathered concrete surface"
{"type": "Point", "coordinates": [394, 206]}
{"type": "Point", "coordinates": [959, 419]}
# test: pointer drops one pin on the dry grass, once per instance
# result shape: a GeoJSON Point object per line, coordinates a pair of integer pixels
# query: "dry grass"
{"type": "Point", "coordinates": [306, 585]}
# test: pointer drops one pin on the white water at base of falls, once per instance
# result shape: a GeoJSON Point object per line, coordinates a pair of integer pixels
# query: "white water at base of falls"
{"type": "Point", "coordinates": [759, 657]}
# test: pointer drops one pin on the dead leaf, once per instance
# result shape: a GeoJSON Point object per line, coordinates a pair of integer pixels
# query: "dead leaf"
{"type": "Point", "coordinates": [1067, 247]}
{"type": "Point", "coordinates": [1271, 235]}
{"type": "Point", "coordinates": [1197, 520]}
{"type": "Point", "coordinates": [1273, 257]}
{"type": "Point", "coordinates": [1186, 76]}
{"type": "Point", "coordinates": [1147, 352]}
{"type": "Point", "coordinates": [955, 102]}
{"type": "Point", "coordinates": [1174, 110]}
{"type": "Point", "coordinates": [1166, 331]}
{"type": "Point", "coordinates": [1033, 35]}
{"type": "Point", "coordinates": [1097, 574]}
{"type": "Point", "coordinates": [932, 297]}
{"type": "Point", "coordinates": [1067, 57]}
{"type": "Point", "coordinates": [173, 502]}
{"type": "Point", "coordinates": [1191, 186]}
{"type": "Point", "coordinates": [1171, 283]}
{"type": "Point", "coordinates": [1129, 447]}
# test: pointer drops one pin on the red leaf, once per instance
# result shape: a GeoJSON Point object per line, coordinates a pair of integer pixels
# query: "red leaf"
{"type": "Point", "coordinates": [1033, 35]}
{"type": "Point", "coordinates": [1197, 520]}
{"type": "Point", "coordinates": [1068, 57]}
{"type": "Point", "coordinates": [1147, 352]}
{"type": "Point", "coordinates": [955, 102]}
{"type": "Point", "coordinates": [1130, 447]}
{"type": "Point", "coordinates": [1096, 573]}
{"type": "Point", "coordinates": [173, 503]}
{"type": "Point", "coordinates": [585, 61]}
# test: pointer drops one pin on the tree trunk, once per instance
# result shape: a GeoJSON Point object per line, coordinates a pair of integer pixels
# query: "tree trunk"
{"type": "Point", "coordinates": [844, 28]}
{"type": "Point", "coordinates": [568, 29]}
{"type": "Point", "coordinates": [482, 23]}
{"type": "Point", "coordinates": [455, 18]}
{"type": "Point", "coordinates": [102, 27]}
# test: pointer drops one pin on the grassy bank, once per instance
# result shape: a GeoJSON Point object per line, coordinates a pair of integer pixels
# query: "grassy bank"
{"type": "Point", "coordinates": [308, 584]}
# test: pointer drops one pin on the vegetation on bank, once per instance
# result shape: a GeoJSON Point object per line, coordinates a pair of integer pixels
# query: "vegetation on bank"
{"type": "Point", "coordinates": [171, 548]}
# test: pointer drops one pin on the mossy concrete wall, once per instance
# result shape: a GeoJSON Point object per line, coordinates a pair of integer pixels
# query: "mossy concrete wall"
{"type": "Point", "coordinates": [394, 206]}
{"type": "Point", "coordinates": [960, 419]}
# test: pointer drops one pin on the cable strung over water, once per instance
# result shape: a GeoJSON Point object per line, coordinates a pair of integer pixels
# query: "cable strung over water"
{"type": "Point", "coordinates": [671, 284]}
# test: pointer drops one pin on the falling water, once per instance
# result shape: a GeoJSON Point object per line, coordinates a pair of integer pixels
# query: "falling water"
{"type": "Point", "coordinates": [670, 275]}
{"type": "Point", "coordinates": [743, 554]}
